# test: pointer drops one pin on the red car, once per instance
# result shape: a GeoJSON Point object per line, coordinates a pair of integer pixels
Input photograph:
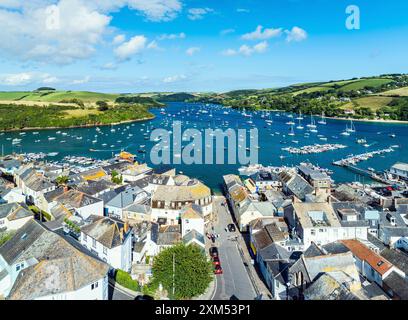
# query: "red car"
{"type": "Point", "coordinates": [218, 270]}
{"type": "Point", "coordinates": [216, 261]}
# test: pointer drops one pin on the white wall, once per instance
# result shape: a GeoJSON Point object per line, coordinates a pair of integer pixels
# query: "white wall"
{"type": "Point", "coordinates": [188, 225]}
{"type": "Point", "coordinates": [92, 209]}
{"type": "Point", "coordinates": [119, 257]}
{"type": "Point", "coordinates": [99, 292]}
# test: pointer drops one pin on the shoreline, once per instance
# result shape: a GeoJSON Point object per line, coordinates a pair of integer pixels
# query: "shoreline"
{"type": "Point", "coordinates": [81, 126]}
{"type": "Point", "coordinates": [337, 118]}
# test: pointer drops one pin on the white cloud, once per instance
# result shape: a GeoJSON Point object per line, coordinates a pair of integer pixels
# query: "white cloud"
{"type": "Point", "coordinates": [24, 78]}
{"type": "Point", "coordinates": [120, 38]}
{"type": "Point", "coordinates": [198, 13]}
{"type": "Point", "coordinates": [59, 33]}
{"type": "Point", "coordinates": [128, 49]}
{"type": "Point", "coordinates": [153, 45]}
{"type": "Point", "coordinates": [82, 81]}
{"type": "Point", "coordinates": [262, 34]}
{"type": "Point", "coordinates": [63, 31]}
{"type": "Point", "coordinates": [157, 10]}
{"type": "Point", "coordinates": [109, 66]}
{"type": "Point", "coordinates": [241, 10]}
{"type": "Point", "coordinates": [172, 36]}
{"type": "Point", "coordinates": [175, 78]}
{"type": "Point", "coordinates": [192, 51]}
{"type": "Point", "coordinates": [296, 34]}
{"type": "Point", "coordinates": [246, 50]}
{"type": "Point", "coordinates": [17, 79]}
{"type": "Point", "coordinates": [227, 31]}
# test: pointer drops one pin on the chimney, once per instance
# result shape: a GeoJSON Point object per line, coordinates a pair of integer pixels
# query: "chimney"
{"type": "Point", "coordinates": [126, 227]}
{"type": "Point", "coordinates": [66, 189]}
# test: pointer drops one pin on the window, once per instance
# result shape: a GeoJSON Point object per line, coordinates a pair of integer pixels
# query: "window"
{"type": "Point", "coordinates": [94, 243]}
{"type": "Point", "coordinates": [313, 232]}
{"type": "Point", "coordinates": [20, 266]}
{"type": "Point", "coordinates": [94, 285]}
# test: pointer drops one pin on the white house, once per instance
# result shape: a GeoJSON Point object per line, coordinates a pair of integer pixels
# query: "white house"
{"type": "Point", "coordinates": [167, 201]}
{"type": "Point", "coordinates": [38, 264]}
{"type": "Point", "coordinates": [116, 206]}
{"type": "Point", "coordinates": [11, 195]}
{"type": "Point", "coordinates": [83, 204]}
{"type": "Point", "coordinates": [33, 185]}
{"type": "Point", "coordinates": [370, 264]}
{"type": "Point", "coordinates": [14, 215]}
{"type": "Point", "coordinates": [192, 219]}
{"type": "Point", "coordinates": [400, 170]}
{"type": "Point", "coordinates": [110, 240]}
{"type": "Point", "coordinates": [319, 223]}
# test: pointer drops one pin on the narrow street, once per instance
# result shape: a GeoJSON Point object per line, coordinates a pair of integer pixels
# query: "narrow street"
{"type": "Point", "coordinates": [235, 282]}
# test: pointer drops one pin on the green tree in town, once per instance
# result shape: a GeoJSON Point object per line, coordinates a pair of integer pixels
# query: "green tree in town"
{"type": "Point", "coordinates": [116, 178]}
{"type": "Point", "coordinates": [62, 180]}
{"type": "Point", "coordinates": [192, 271]}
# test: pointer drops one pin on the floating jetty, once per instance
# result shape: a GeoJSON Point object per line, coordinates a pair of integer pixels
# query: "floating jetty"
{"type": "Point", "coordinates": [316, 148]}
{"type": "Point", "coordinates": [353, 160]}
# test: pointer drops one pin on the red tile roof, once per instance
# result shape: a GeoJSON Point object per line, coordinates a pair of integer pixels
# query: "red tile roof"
{"type": "Point", "coordinates": [362, 252]}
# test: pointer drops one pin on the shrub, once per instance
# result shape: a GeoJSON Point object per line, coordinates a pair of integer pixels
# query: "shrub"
{"type": "Point", "coordinates": [124, 279]}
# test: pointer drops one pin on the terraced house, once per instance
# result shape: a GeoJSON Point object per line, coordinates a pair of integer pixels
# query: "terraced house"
{"type": "Point", "coordinates": [169, 200]}
{"type": "Point", "coordinates": [38, 264]}
{"type": "Point", "coordinates": [110, 239]}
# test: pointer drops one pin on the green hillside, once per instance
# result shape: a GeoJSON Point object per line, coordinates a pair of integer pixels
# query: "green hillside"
{"type": "Point", "coordinates": [57, 96]}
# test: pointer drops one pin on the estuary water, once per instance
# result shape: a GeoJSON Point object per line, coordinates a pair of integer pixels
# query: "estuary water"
{"type": "Point", "coordinates": [275, 133]}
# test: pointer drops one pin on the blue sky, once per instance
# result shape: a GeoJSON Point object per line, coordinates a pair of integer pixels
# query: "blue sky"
{"type": "Point", "coordinates": [195, 45]}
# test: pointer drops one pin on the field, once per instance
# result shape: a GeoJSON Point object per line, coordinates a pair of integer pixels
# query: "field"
{"type": "Point", "coordinates": [361, 84]}
{"type": "Point", "coordinates": [372, 102]}
{"type": "Point", "coordinates": [57, 96]}
{"type": "Point", "coordinates": [402, 92]}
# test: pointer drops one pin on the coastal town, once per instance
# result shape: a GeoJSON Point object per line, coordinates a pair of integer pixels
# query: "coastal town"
{"type": "Point", "coordinates": [75, 229]}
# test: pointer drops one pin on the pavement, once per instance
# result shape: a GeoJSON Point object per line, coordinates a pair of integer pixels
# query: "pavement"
{"type": "Point", "coordinates": [235, 282]}
{"type": "Point", "coordinates": [118, 292]}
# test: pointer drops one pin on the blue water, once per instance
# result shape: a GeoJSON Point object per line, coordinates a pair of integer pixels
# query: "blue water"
{"type": "Point", "coordinates": [376, 134]}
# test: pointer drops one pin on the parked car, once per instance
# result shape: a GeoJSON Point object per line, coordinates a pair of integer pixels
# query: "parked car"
{"type": "Point", "coordinates": [218, 270]}
{"type": "Point", "coordinates": [214, 252]}
{"type": "Point", "coordinates": [216, 261]}
{"type": "Point", "coordinates": [231, 227]}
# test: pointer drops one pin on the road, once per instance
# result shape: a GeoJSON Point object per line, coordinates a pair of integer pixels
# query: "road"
{"type": "Point", "coordinates": [235, 282]}
{"type": "Point", "coordinates": [114, 293]}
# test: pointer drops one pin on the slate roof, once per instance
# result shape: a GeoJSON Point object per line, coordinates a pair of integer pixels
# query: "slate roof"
{"type": "Point", "coordinates": [60, 268]}
{"type": "Point", "coordinates": [274, 252]}
{"type": "Point", "coordinates": [335, 248]}
{"type": "Point", "coordinates": [397, 284]}
{"type": "Point", "coordinates": [15, 211]}
{"type": "Point", "coordinates": [326, 287]}
{"type": "Point", "coordinates": [76, 199]}
{"type": "Point", "coordinates": [334, 262]}
{"type": "Point", "coordinates": [397, 258]}
{"type": "Point", "coordinates": [37, 182]}
{"type": "Point", "coordinates": [106, 231]}
{"type": "Point", "coordinates": [125, 198]}
{"type": "Point", "coordinates": [296, 185]}
{"type": "Point", "coordinates": [194, 235]}
{"type": "Point", "coordinates": [168, 235]}
{"type": "Point", "coordinates": [92, 188]}
{"type": "Point", "coordinates": [191, 211]}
